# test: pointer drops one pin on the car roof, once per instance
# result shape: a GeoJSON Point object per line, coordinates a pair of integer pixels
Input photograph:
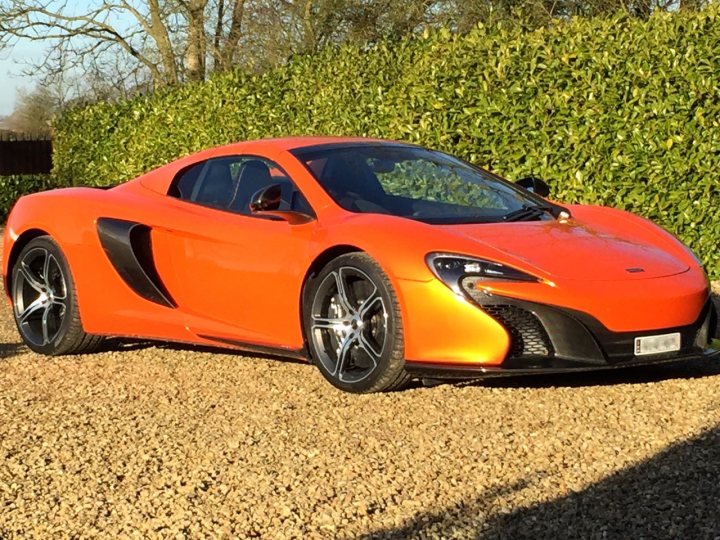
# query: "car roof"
{"type": "Point", "coordinates": [159, 179]}
{"type": "Point", "coordinates": [294, 143]}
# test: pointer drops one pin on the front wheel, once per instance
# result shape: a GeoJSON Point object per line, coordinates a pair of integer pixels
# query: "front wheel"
{"type": "Point", "coordinates": [353, 325]}
{"type": "Point", "coordinates": [45, 303]}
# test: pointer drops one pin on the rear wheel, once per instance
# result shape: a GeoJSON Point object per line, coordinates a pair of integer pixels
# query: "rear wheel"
{"type": "Point", "coordinates": [353, 325]}
{"type": "Point", "coordinates": [45, 303]}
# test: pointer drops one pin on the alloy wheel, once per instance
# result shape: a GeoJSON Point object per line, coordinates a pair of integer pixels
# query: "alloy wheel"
{"type": "Point", "coordinates": [39, 296]}
{"type": "Point", "coordinates": [348, 324]}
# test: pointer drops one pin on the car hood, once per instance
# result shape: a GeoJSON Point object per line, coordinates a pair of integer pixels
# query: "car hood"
{"type": "Point", "coordinates": [574, 250]}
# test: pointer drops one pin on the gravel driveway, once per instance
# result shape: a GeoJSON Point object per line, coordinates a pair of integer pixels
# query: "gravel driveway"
{"type": "Point", "coordinates": [150, 440]}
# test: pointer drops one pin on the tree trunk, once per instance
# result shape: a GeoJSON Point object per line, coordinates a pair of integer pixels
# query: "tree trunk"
{"type": "Point", "coordinates": [196, 44]}
{"type": "Point", "coordinates": [217, 38]}
{"type": "Point", "coordinates": [158, 31]}
{"type": "Point", "coordinates": [232, 40]}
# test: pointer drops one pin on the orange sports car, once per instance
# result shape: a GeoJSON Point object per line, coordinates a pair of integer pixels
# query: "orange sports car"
{"type": "Point", "coordinates": [378, 261]}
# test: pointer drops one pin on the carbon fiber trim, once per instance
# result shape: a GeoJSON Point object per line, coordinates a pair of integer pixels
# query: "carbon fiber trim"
{"type": "Point", "coordinates": [127, 245]}
{"type": "Point", "coordinates": [298, 354]}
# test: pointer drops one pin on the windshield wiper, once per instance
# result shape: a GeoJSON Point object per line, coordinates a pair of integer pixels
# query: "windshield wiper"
{"type": "Point", "coordinates": [526, 213]}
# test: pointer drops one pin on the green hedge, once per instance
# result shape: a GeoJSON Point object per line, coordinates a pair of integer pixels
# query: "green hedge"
{"type": "Point", "coordinates": [13, 187]}
{"type": "Point", "coordinates": [615, 111]}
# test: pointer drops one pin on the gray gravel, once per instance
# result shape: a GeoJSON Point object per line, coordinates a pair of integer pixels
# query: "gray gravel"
{"type": "Point", "coordinates": [147, 440]}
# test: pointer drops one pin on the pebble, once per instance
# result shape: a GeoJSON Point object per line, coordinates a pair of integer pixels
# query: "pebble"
{"type": "Point", "coordinates": [191, 443]}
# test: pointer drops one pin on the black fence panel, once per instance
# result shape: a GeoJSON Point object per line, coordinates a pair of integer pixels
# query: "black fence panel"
{"type": "Point", "coordinates": [25, 156]}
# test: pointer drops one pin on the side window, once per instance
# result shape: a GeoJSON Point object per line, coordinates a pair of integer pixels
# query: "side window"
{"type": "Point", "coordinates": [256, 174]}
{"type": "Point", "coordinates": [299, 203]}
{"type": "Point", "coordinates": [210, 183]}
{"type": "Point", "coordinates": [217, 182]}
{"type": "Point", "coordinates": [185, 180]}
{"type": "Point", "coordinates": [229, 183]}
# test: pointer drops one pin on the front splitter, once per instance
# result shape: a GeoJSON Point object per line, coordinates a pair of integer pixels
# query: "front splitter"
{"type": "Point", "coordinates": [555, 366]}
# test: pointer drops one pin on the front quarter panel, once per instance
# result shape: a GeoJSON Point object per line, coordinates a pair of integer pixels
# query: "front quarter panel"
{"type": "Point", "coordinates": [439, 326]}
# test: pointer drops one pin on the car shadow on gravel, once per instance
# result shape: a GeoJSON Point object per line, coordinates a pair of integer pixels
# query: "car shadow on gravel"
{"type": "Point", "coordinates": [674, 494]}
{"type": "Point", "coordinates": [129, 345]}
{"type": "Point", "coordinates": [8, 350]}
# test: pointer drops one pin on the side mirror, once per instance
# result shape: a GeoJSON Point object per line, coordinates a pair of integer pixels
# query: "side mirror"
{"type": "Point", "coordinates": [266, 199]}
{"type": "Point", "coordinates": [535, 185]}
{"type": "Point", "coordinates": [265, 203]}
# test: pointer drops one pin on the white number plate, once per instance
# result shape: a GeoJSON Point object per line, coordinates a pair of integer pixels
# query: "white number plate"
{"type": "Point", "coordinates": [657, 344]}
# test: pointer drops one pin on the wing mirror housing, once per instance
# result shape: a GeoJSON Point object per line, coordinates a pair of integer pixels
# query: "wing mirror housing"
{"type": "Point", "coordinates": [535, 185]}
{"type": "Point", "coordinates": [265, 203]}
{"type": "Point", "coordinates": [266, 199]}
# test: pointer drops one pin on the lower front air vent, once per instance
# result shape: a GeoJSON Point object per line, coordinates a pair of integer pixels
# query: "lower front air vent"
{"type": "Point", "coordinates": [527, 334]}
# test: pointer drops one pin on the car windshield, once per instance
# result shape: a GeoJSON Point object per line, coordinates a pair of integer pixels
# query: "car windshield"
{"type": "Point", "coordinates": [416, 183]}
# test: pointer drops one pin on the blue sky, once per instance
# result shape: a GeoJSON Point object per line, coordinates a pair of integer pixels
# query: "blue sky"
{"type": "Point", "coordinates": [11, 68]}
{"type": "Point", "coordinates": [13, 60]}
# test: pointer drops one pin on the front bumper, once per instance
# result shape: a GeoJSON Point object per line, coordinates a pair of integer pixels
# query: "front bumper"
{"type": "Point", "coordinates": [551, 339]}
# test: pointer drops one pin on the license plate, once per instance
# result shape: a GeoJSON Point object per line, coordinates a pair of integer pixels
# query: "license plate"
{"type": "Point", "coordinates": [657, 344]}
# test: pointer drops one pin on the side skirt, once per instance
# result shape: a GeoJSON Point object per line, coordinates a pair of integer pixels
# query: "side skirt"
{"type": "Point", "coordinates": [298, 354]}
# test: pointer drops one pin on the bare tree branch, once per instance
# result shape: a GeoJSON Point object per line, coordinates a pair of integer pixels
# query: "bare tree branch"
{"type": "Point", "coordinates": [33, 20]}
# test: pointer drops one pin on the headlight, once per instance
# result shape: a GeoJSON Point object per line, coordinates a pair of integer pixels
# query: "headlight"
{"type": "Point", "coordinates": [453, 270]}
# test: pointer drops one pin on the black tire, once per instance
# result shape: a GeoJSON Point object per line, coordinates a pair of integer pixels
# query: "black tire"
{"type": "Point", "coordinates": [45, 303]}
{"type": "Point", "coordinates": [355, 336]}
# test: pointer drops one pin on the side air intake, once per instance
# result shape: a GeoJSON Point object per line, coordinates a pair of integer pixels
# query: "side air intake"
{"type": "Point", "coordinates": [128, 246]}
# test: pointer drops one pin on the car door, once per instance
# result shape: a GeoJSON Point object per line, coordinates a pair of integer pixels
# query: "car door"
{"type": "Point", "coordinates": [235, 276]}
